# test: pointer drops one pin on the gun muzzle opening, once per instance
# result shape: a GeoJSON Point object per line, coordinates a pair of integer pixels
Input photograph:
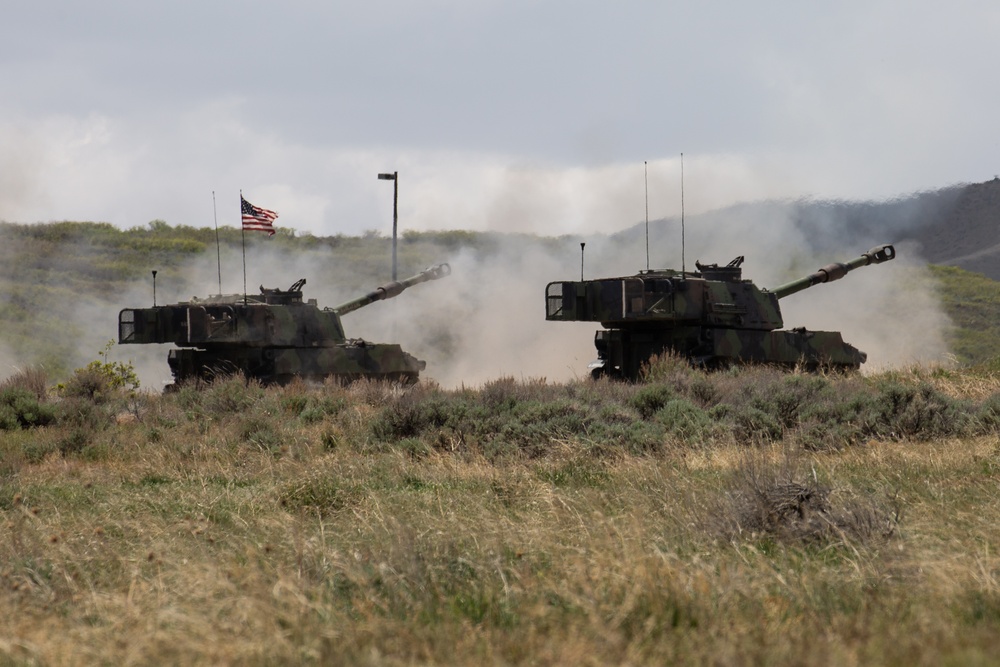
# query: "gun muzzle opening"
{"type": "Point", "coordinates": [882, 253]}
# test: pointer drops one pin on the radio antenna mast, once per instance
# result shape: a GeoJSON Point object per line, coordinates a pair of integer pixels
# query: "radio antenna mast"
{"type": "Point", "coordinates": [218, 252]}
{"type": "Point", "coordinates": [645, 178]}
{"type": "Point", "coordinates": [683, 267]}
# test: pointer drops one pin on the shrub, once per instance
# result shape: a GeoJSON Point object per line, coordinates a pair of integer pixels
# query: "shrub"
{"type": "Point", "coordinates": [100, 378]}
{"type": "Point", "coordinates": [785, 398]}
{"type": "Point", "coordinates": [223, 396]}
{"type": "Point", "coordinates": [903, 410]}
{"type": "Point", "coordinates": [21, 408]}
{"type": "Point", "coordinates": [664, 367]}
{"type": "Point", "coordinates": [987, 417]}
{"type": "Point", "coordinates": [260, 431]}
{"type": "Point", "coordinates": [319, 494]}
{"type": "Point", "coordinates": [750, 425]}
{"type": "Point", "coordinates": [648, 400]}
{"type": "Point", "coordinates": [32, 379]}
{"type": "Point", "coordinates": [686, 421]}
{"type": "Point", "coordinates": [82, 413]}
{"type": "Point", "coordinates": [778, 504]}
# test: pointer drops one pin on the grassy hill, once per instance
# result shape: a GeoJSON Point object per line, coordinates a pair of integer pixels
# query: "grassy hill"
{"type": "Point", "coordinates": [62, 284]}
{"type": "Point", "coordinates": [972, 301]}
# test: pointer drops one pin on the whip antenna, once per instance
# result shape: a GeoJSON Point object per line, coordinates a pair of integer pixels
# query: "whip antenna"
{"type": "Point", "coordinates": [218, 253]}
{"type": "Point", "coordinates": [581, 261]}
{"type": "Point", "coordinates": [682, 216]}
{"type": "Point", "coordinates": [645, 178]}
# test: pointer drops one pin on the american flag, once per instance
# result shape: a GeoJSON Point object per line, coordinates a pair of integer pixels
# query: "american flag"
{"type": "Point", "coordinates": [256, 218]}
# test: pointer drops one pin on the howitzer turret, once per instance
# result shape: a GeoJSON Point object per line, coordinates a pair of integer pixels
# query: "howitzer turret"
{"type": "Point", "coordinates": [713, 317]}
{"type": "Point", "coordinates": [272, 337]}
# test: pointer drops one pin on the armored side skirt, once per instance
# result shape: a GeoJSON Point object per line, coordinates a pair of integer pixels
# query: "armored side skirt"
{"type": "Point", "coordinates": [280, 365]}
{"type": "Point", "coordinates": [809, 348]}
{"type": "Point", "coordinates": [623, 353]}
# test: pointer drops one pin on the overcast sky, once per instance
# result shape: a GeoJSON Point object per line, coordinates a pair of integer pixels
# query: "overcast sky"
{"type": "Point", "coordinates": [521, 115]}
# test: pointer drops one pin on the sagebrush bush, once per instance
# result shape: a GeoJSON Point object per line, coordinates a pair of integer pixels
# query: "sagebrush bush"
{"type": "Point", "coordinates": [33, 379]}
{"type": "Point", "coordinates": [687, 422]}
{"type": "Point", "coordinates": [223, 396]}
{"type": "Point", "coordinates": [774, 501]}
{"type": "Point", "coordinates": [987, 419]}
{"type": "Point", "coordinates": [21, 408]}
{"type": "Point", "coordinates": [649, 399]}
{"type": "Point", "coordinates": [102, 379]}
{"type": "Point", "coordinates": [666, 367]}
{"type": "Point", "coordinates": [900, 410]}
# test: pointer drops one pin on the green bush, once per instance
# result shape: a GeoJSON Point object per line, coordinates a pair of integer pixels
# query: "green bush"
{"type": "Point", "coordinates": [226, 395]}
{"type": "Point", "coordinates": [750, 425]}
{"type": "Point", "coordinates": [649, 399]}
{"type": "Point", "coordinates": [900, 410]}
{"type": "Point", "coordinates": [98, 380]}
{"type": "Point", "coordinates": [987, 417]}
{"type": "Point", "coordinates": [686, 421]}
{"type": "Point", "coordinates": [20, 408]}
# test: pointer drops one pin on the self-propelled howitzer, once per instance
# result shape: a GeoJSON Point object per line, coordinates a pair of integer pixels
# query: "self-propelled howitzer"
{"type": "Point", "coordinates": [272, 337]}
{"type": "Point", "coordinates": [713, 317]}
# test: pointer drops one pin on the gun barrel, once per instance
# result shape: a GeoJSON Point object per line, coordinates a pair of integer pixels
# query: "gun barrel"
{"type": "Point", "coordinates": [836, 271]}
{"type": "Point", "coordinates": [392, 289]}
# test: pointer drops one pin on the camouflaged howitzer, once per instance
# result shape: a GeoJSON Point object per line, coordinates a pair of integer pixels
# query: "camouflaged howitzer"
{"type": "Point", "coordinates": [272, 337]}
{"type": "Point", "coordinates": [713, 317]}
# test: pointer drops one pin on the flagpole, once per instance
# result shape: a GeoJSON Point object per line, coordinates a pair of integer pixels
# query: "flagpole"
{"type": "Point", "coordinates": [243, 233]}
{"type": "Point", "coordinates": [218, 252]}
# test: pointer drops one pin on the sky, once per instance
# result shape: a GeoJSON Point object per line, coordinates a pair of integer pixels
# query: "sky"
{"type": "Point", "coordinates": [541, 116]}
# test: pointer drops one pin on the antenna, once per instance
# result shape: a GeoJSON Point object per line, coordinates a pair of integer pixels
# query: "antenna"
{"type": "Point", "coordinates": [154, 288]}
{"type": "Point", "coordinates": [645, 178]}
{"type": "Point", "coordinates": [581, 261]}
{"type": "Point", "coordinates": [683, 268]}
{"type": "Point", "coordinates": [218, 253]}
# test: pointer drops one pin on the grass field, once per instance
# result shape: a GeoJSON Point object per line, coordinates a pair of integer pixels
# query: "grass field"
{"type": "Point", "coordinates": [746, 517]}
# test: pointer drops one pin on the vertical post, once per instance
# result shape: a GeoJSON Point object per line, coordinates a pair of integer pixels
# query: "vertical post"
{"type": "Point", "coordinates": [395, 218]}
{"type": "Point", "coordinates": [154, 288]}
{"type": "Point", "coordinates": [581, 261]}
{"type": "Point", "coordinates": [394, 177]}
{"type": "Point", "coordinates": [243, 232]}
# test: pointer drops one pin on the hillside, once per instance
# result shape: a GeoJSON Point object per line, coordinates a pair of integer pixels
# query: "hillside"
{"type": "Point", "coordinates": [967, 235]}
{"type": "Point", "coordinates": [62, 284]}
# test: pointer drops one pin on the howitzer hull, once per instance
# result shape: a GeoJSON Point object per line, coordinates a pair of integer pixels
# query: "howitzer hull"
{"type": "Point", "coordinates": [347, 362]}
{"type": "Point", "coordinates": [713, 317]}
{"type": "Point", "coordinates": [622, 354]}
{"type": "Point", "coordinates": [272, 337]}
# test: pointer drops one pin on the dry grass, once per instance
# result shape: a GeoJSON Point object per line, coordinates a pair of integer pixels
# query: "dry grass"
{"type": "Point", "coordinates": [239, 526]}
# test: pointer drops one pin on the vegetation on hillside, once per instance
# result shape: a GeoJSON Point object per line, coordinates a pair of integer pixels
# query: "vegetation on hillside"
{"type": "Point", "coordinates": [62, 284]}
{"type": "Point", "coordinates": [972, 301]}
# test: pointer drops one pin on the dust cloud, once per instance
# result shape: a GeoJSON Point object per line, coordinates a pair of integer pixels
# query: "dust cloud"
{"type": "Point", "coordinates": [487, 320]}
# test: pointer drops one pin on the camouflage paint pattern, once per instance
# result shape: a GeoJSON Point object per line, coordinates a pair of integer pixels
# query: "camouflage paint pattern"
{"type": "Point", "coordinates": [713, 317]}
{"type": "Point", "coordinates": [273, 337]}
